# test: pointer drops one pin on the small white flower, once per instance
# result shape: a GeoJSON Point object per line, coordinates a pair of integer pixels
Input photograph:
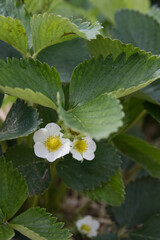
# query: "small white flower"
{"type": "Point", "coordinates": [83, 149]}
{"type": "Point", "coordinates": [49, 143]}
{"type": "Point", "coordinates": [88, 226]}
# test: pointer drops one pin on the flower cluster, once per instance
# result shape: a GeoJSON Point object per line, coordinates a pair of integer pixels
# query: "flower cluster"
{"type": "Point", "coordinates": [88, 226]}
{"type": "Point", "coordinates": [50, 144]}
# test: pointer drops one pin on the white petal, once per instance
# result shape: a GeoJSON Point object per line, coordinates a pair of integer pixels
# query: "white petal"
{"type": "Point", "coordinates": [88, 155]}
{"type": "Point", "coordinates": [93, 233]}
{"type": "Point", "coordinates": [41, 135]}
{"type": "Point", "coordinates": [53, 128]}
{"type": "Point", "coordinates": [76, 155]}
{"type": "Point", "coordinates": [40, 150]}
{"type": "Point", "coordinates": [66, 146]}
{"type": "Point", "coordinates": [88, 139]}
{"type": "Point", "coordinates": [92, 146]}
{"type": "Point", "coordinates": [52, 156]}
{"type": "Point", "coordinates": [95, 224]}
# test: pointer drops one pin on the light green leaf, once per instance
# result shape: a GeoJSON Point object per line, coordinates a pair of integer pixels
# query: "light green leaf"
{"type": "Point", "coordinates": [13, 189]}
{"type": "Point", "coordinates": [49, 29]}
{"type": "Point", "coordinates": [111, 192]}
{"type": "Point", "coordinates": [140, 30]}
{"type": "Point", "coordinates": [105, 46]}
{"type": "Point", "coordinates": [153, 109]}
{"type": "Point", "coordinates": [35, 170]}
{"type": "Point", "coordinates": [108, 9]}
{"type": "Point", "coordinates": [13, 32]}
{"type": "Point", "coordinates": [31, 81]}
{"type": "Point", "coordinates": [140, 151]}
{"type": "Point", "coordinates": [6, 232]}
{"type": "Point", "coordinates": [149, 231]}
{"type": "Point", "coordinates": [104, 109]}
{"type": "Point", "coordinates": [141, 202]}
{"type": "Point", "coordinates": [65, 57]}
{"type": "Point", "coordinates": [154, 12]}
{"type": "Point", "coordinates": [20, 121]}
{"type": "Point", "coordinates": [36, 224]}
{"type": "Point", "coordinates": [120, 77]}
{"type": "Point", "coordinates": [89, 174]}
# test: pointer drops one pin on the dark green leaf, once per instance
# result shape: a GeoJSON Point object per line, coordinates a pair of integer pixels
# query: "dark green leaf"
{"type": "Point", "coordinates": [20, 121]}
{"type": "Point", "coordinates": [149, 231]}
{"type": "Point", "coordinates": [7, 50]}
{"type": "Point", "coordinates": [153, 109]}
{"type": "Point", "coordinates": [35, 170]}
{"type": "Point", "coordinates": [19, 236]}
{"type": "Point", "coordinates": [105, 109]}
{"type": "Point", "coordinates": [35, 223]}
{"type": "Point", "coordinates": [1, 98]}
{"type": "Point", "coordinates": [25, 78]}
{"type": "Point", "coordinates": [140, 151]}
{"type": "Point", "coordinates": [65, 56]}
{"type": "Point", "coordinates": [13, 189]}
{"type": "Point", "coordinates": [111, 192]}
{"type": "Point", "coordinates": [48, 115]}
{"type": "Point", "coordinates": [89, 174]}
{"type": "Point", "coordinates": [140, 30]}
{"type": "Point", "coordinates": [152, 92]}
{"type": "Point", "coordinates": [107, 237]}
{"type": "Point", "coordinates": [141, 202]}
{"type": "Point", "coordinates": [6, 232]}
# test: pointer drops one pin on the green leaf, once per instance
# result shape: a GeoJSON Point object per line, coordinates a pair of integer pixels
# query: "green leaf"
{"type": "Point", "coordinates": [111, 192]}
{"type": "Point", "coordinates": [19, 236]}
{"type": "Point", "coordinates": [140, 30]}
{"type": "Point", "coordinates": [108, 9]}
{"type": "Point", "coordinates": [36, 224]}
{"type": "Point", "coordinates": [120, 77]}
{"type": "Point", "coordinates": [6, 232]}
{"type": "Point", "coordinates": [154, 12]}
{"type": "Point", "coordinates": [49, 29]}
{"type": "Point", "coordinates": [152, 92]}
{"type": "Point", "coordinates": [140, 151]}
{"type": "Point", "coordinates": [13, 189]}
{"type": "Point", "coordinates": [7, 50]}
{"type": "Point", "coordinates": [153, 109]}
{"type": "Point", "coordinates": [104, 109]}
{"type": "Point", "coordinates": [105, 46]}
{"type": "Point", "coordinates": [107, 237]}
{"type": "Point", "coordinates": [25, 78]}
{"type": "Point", "coordinates": [141, 202]}
{"type": "Point", "coordinates": [65, 57]}
{"type": "Point", "coordinates": [149, 231]}
{"type": "Point", "coordinates": [35, 171]}
{"type": "Point", "coordinates": [20, 121]}
{"type": "Point", "coordinates": [89, 174]}
{"type": "Point", "coordinates": [13, 32]}
{"type": "Point", "coordinates": [48, 115]}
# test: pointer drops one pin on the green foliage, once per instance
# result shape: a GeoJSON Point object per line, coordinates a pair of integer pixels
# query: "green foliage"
{"type": "Point", "coordinates": [105, 109]}
{"type": "Point", "coordinates": [153, 109]}
{"type": "Point", "coordinates": [13, 190]}
{"type": "Point", "coordinates": [151, 92]}
{"type": "Point", "coordinates": [1, 98]}
{"type": "Point", "coordinates": [111, 192]}
{"type": "Point", "coordinates": [140, 151]}
{"type": "Point", "coordinates": [25, 78]}
{"type": "Point", "coordinates": [6, 232]}
{"type": "Point", "coordinates": [155, 13]}
{"type": "Point", "coordinates": [35, 171]}
{"type": "Point", "coordinates": [36, 224]}
{"type": "Point", "coordinates": [107, 237]}
{"type": "Point", "coordinates": [146, 36]}
{"type": "Point", "coordinates": [20, 121]}
{"type": "Point", "coordinates": [141, 202]}
{"type": "Point", "coordinates": [90, 174]}
{"type": "Point", "coordinates": [65, 57]}
{"type": "Point", "coordinates": [49, 29]}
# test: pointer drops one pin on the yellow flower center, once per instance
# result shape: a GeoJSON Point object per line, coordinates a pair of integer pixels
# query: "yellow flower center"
{"type": "Point", "coordinates": [53, 143]}
{"type": "Point", "coordinates": [81, 146]}
{"type": "Point", "coordinates": [86, 228]}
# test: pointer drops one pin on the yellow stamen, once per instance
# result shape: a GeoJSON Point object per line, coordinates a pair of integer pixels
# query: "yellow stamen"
{"type": "Point", "coordinates": [86, 228]}
{"type": "Point", "coordinates": [81, 146]}
{"type": "Point", "coordinates": [53, 143]}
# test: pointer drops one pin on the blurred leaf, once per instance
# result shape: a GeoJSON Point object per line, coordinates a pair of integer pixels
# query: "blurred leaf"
{"type": "Point", "coordinates": [154, 12]}
{"type": "Point", "coordinates": [36, 223]}
{"type": "Point", "coordinates": [13, 32]}
{"type": "Point", "coordinates": [89, 174]}
{"type": "Point", "coordinates": [49, 29]}
{"type": "Point", "coordinates": [25, 78]}
{"type": "Point", "coordinates": [34, 170]}
{"type": "Point", "coordinates": [104, 109]}
{"type": "Point", "coordinates": [140, 151]}
{"type": "Point", "coordinates": [13, 189]}
{"type": "Point", "coordinates": [20, 121]}
{"type": "Point", "coordinates": [107, 237]}
{"type": "Point", "coordinates": [153, 109]}
{"type": "Point", "coordinates": [65, 57]}
{"type": "Point", "coordinates": [149, 231]}
{"type": "Point", "coordinates": [6, 232]}
{"type": "Point", "coordinates": [141, 202]}
{"type": "Point", "coordinates": [48, 115]}
{"type": "Point", "coordinates": [140, 30]}
{"type": "Point", "coordinates": [152, 92]}
{"type": "Point", "coordinates": [111, 192]}
{"type": "Point", "coordinates": [1, 98]}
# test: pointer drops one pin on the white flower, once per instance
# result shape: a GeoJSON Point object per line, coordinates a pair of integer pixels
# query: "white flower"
{"type": "Point", "coordinates": [88, 226]}
{"type": "Point", "coordinates": [83, 149]}
{"type": "Point", "coordinates": [49, 143]}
